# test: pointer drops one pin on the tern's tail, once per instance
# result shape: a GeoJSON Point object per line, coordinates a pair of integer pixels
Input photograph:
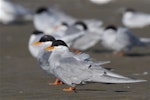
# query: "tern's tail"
{"type": "Point", "coordinates": [113, 78]}
{"type": "Point", "coordinates": [145, 42]}
{"type": "Point", "coordinates": [109, 79]}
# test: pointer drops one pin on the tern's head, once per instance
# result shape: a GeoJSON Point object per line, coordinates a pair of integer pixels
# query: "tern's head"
{"type": "Point", "coordinates": [111, 27]}
{"type": "Point", "coordinates": [59, 45]}
{"type": "Point", "coordinates": [129, 10]}
{"type": "Point", "coordinates": [124, 11]}
{"type": "Point", "coordinates": [41, 10]}
{"type": "Point", "coordinates": [45, 41]}
{"type": "Point", "coordinates": [36, 32]}
{"type": "Point", "coordinates": [81, 25]}
{"type": "Point", "coordinates": [35, 36]}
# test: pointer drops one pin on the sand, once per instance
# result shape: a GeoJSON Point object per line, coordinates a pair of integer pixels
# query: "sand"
{"type": "Point", "coordinates": [22, 79]}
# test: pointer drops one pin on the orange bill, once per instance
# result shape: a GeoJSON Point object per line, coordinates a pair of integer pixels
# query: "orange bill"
{"type": "Point", "coordinates": [49, 48]}
{"type": "Point", "coordinates": [36, 43]}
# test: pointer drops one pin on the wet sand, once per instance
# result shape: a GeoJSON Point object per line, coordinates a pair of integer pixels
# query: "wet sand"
{"type": "Point", "coordinates": [22, 79]}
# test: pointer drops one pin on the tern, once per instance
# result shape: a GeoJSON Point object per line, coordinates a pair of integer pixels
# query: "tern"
{"type": "Point", "coordinates": [135, 19]}
{"type": "Point", "coordinates": [74, 71]}
{"type": "Point", "coordinates": [11, 12]}
{"type": "Point", "coordinates": [100, 2]}
{"type": "Point", "coordinates": [120, 40]}
{"type": "Point", "coordinates": [43, 56]}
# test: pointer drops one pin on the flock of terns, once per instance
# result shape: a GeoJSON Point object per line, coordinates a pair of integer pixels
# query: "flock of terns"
{"type": "Point", "coordinates": [58, 39]}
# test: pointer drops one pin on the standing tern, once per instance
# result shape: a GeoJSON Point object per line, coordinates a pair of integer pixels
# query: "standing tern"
{"type": "Point", "coordinates": [91, 34]}
{"type": "Point", "coordinates": [35, 36]}
{"type": "Point", "coordinates": [45, 18]}
{"type": "Point", "coordinates": [121, 40]}
{"type": "Point", "coordinates": [37, 48]}
{"type": "Point", "coordinates": [135, 19]}
{"type": "Point", "coordinates": [73, 71]}
{"type": "Point", "coordinates": [100, 2]}
{"type": "Point", "coordinates": [10, 12]}
{"type": "Point", "coordinates": [43, 56]}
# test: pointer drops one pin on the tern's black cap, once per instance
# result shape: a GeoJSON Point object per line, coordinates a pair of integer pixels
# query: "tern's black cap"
{"type": "Point", "coordinates": [41, 10]}
{"type": "Point", "coordinates": [82, 24]}
{"type": "Point", "coordinates": [129, 10]}
{"type": "Point", "coordinates": [36, 32]}
{"type": "Point", "coordinates": [65, 24]}
{"type": "Point", "coordinates": [111, 27]}
{"type": "Point", "coordinates": [46, 38]}
{"type": "Point", "coordinates": [58, 43]}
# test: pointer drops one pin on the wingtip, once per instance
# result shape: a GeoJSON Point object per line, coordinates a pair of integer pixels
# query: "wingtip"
{"type": "Point", "coordinates": [141, 80]}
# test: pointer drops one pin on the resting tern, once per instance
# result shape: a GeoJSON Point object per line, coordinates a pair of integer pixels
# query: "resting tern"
{"type": "Point", "coordinates": [43, 55]}
{"type": "Point", "coordinates": [74, 71]}
{"type": "Point", "coordinates": [121, 40]}
{"type": "Point", "coordinates": [100, 2]}
{"type": "Point", "coordinates": [35, 36]}
{"type": "Point", "coordinates": [45, 18]}
{"type": "Point", "coordinates": [135, 19]}
{"type": "Point", "coordinates": [10, 12]}
{"type": "Point", "coordinates": [91, 34]}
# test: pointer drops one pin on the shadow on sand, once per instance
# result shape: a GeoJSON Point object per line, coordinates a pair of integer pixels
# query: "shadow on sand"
{"type": "Point", "coordinates": [137, 54]}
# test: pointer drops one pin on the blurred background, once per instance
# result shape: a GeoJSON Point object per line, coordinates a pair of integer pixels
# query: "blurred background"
{"type": "Point", "coordinates": [22, 79]}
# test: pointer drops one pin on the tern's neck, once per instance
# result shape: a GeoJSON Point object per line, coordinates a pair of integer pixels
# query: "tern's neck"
{"type": "Point", "coordinates": [128, 14]}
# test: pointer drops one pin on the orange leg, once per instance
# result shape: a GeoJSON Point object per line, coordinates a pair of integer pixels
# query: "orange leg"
{"type": "Point", "coordinates": [71, 49]}
{"type": "Point", "coordinates": [57, 82]}
{"type": "Point", "coordinates": [70, 89]}
{"type": "Point", "coordinates": [119, 53]}
{"type": "Point", "coordinates": [77, 51]}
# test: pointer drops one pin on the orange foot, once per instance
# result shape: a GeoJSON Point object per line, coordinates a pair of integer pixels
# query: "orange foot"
{"type": "Point", "coordinates": [70, 89]}
{"type": "Point", "coordinates": [57, 82]}
{"type": "Point", "coordinates": [77, 51]}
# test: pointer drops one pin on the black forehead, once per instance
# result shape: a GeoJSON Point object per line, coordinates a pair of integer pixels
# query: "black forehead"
{"type": "Point", "coordinates": [36, 32]}
{"type": "Point", "coordinates": [58, 43]}
{"type": "Point", "coordinates": [111, 27]}
{"type": "Point", "coordinates": [130, 10]}
{"type": "Point", "coordinates": [65, 24]}
{"type": "Point", "coordinates": [41, 9]}
{"type": "Point", "coordinates": [82, 24]}
{"type": "Point", "coordinates": [47, 38]}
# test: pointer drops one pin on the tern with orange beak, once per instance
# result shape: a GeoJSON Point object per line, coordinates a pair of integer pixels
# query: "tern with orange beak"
{"type": "Point", "coordinates": [43, 55]}
{"type": "Point", "coordinates": [71, 70]}
{"type": "Point", "coordinates": [121, 40]}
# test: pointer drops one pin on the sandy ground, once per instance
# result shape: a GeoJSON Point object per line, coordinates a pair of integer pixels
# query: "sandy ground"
{"type": "Point", "coordinates": [22, 79]}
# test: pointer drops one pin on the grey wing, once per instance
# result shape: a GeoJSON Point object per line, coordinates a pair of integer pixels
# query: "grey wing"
{"type": "Point", "coordinates": [43, 60]}
{"type": "Point", "coordinates": [71, 37]}
{"type": "Point", "coordinates": [72, 71]}
{"type": "Point", "coordinates": [86, 57]}
{"type": "Point", "coordinates": [102, 75]}
{"type": "Point", "coordinates": [82, 56]}
{"type": "Point", "coordinates": [88, 40]}
{"type": "Point", "coordinates": [126, 37]}
{"type": "Point", "coordinates": [71, 30]}
{"type": "Point", "coordinates": [133, 39]}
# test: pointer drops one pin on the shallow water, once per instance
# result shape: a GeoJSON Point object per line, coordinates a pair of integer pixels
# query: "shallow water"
{"type": "Point", "coordinates": [22, 79]}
